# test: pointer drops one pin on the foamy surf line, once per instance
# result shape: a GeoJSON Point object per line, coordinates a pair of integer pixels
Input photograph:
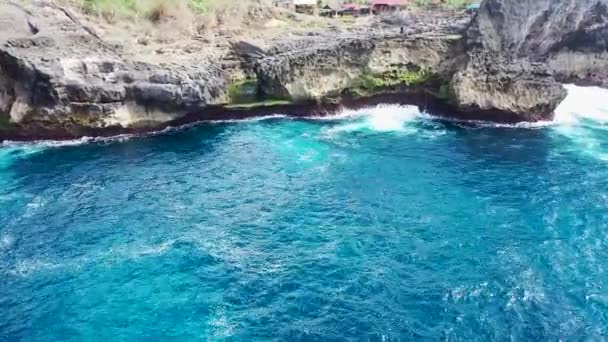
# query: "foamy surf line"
{"type": "Point", "coordinates": [344, 114]}
{"type": "Point", "coordinates": [64, 143]}
{"type": "Point", "coordinates": [582, 103]}
{"type": "Point", "coordinates": [91, 140]}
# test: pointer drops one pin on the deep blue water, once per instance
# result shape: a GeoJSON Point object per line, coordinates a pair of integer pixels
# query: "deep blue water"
{"type": "Point", "coordinates": [380, 227]}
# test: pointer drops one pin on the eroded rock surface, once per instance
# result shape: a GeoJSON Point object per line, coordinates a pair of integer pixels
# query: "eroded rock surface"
{"type": "Point", "coordinates": [57, 76]}
{"type": "Point", "coordinates": [325, 65]}
{"type": "Point", "coordinates": [519, 50]}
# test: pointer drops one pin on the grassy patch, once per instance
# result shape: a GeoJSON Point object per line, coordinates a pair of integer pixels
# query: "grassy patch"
{"type": "Point", "coordinates": [158, 10]}
{"type": "Point", "coordinates": [110, 8]}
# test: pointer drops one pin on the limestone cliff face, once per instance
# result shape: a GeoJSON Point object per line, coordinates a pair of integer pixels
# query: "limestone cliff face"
{"type": "Point", "coordinates": [312, 68]}
{"type": "Point", "coordinates": [59, 79]}
{"type": "Point", "coordinates": [491, 82]}
{"type": "Point", "coordinates": [519, 50]}
{"type": "Point", "coordinates": [580, 54]}
{"type": "Point", "coordinates": [58, 76]}
{"type": "Point", "coordinates": [324, 66]}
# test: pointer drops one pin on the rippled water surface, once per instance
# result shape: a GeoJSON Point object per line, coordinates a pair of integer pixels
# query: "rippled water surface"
{"type": "Point", "coordinates": [379, 225]}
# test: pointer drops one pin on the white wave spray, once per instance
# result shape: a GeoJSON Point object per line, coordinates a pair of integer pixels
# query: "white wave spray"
{"type": "Point", "coordinates": [381, 118]}
{"type": "Point", "coordinates": [583, 118]}
{"type": "Point", "coordinates": [583, 103]}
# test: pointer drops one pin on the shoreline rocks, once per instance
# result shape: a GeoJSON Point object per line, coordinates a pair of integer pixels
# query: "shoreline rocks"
{"type": "Point", "coordinates": [520, 53]}
{"type": "Point", "coordinates": [59, 79]}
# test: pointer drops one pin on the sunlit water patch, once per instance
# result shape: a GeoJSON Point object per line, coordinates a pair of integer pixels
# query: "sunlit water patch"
{"type": "Point", "coordinates": [380, 224]}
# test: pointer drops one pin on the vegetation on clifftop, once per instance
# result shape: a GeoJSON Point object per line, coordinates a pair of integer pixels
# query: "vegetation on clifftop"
{"type": "Point", "coordinates": [129, 8]}
{"type": "Point", "coordinates": [200, 13]}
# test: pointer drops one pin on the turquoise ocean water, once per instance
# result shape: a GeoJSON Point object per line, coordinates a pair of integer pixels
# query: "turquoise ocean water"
{"type": "Point", "coordinates": [377, 225]}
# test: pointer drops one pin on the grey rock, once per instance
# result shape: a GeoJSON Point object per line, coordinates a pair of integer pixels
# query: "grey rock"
{"type": "Point", "coordinates": [57, 71]}
{"type": "Point", "coordinates": [312, 68]}
{"type": "Point", "coordinates": [520, 51]}
{"type": "Point", "coordinates": [58, 75]}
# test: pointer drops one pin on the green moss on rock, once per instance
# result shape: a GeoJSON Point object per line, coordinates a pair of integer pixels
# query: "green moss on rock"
{"type": "Point", "coordinates": [243, 91]}
{"type": "Point", "coordinates": [399, 77]}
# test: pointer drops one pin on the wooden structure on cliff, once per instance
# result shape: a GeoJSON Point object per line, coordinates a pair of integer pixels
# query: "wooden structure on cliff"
{"type": "Point", "coordinates": [305, 6]}
{"type": "Point", "coordinates": [347, 9]}
{"type": "Point", "coordinates": [330, 11]}
{"type": "Point", "coordinates": [355, 10]}
{"type": "Point", "coordinates": [299, 6]}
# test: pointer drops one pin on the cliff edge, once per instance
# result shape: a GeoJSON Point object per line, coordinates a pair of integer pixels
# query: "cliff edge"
{"type": "Point", "coordinates": [60, 77]}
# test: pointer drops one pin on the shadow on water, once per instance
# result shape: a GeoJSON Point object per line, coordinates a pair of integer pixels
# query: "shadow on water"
{"type": "Point", "coordinates": [502, 145]}
{"type": "Point", "coordinates": [506, 162]}
{"type": "Point", "coordinates": [115, 153]}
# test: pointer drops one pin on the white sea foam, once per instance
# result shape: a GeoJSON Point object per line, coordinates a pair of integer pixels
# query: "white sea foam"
{"type": "Point", "coordinates": [381, 118]}
{"type": "Point", "coordinates": [116, 254]}
{"type": "Point", "coordinates": [42, 144]}
{"type": "Point", "coordinates": [220, 324]}
{"type": "Point", "coordinates": [27, 267]}
{"type": "Point", "coordinates": [6, 241]}
{"type": "Point", "coordinates": [583, 103]}
{"type": "Point", "coordinates": [252, 119]}
{"type": "Point", "coordinates": [583, 118]}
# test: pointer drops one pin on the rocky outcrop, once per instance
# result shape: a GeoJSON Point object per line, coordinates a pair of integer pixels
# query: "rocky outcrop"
{"type": "Point", "coordinates": [509, 62]}
{"type": "Point", "coordinates": [580, 53]}
{"type": "Point", "coordinates": [519, 50]}
{"type": "Point", "coordinates": [312, 68]}
{"type": "Point", "coordinates": [492, 83]}
{"type": "Point", "coordinates": [321, 66]}
{"type": "Point", "coordinates": [57, 77]}
{"type": "Point", "coordinates": [60, 79]}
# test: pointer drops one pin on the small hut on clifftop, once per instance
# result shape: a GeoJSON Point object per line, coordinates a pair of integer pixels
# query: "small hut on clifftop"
{"type": "Point", "coordinates": [305, 6]}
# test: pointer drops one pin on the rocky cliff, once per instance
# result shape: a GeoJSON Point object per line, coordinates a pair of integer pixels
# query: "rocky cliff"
{"type": "Point", "coordinates": [59, 78]}
{"type": "Point", "coordinates": [518, 51]}
{"type": "Point", "coordinates": [509, 62]}
{"type": "Point", "coordinates": [318, 67]}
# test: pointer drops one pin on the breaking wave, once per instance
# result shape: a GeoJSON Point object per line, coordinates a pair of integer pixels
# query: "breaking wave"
{"type": "Point", "coordinates": [583, 105]}
{"type": "Point", "coordinates": [583, 119]}
{"type": "Point", "coordinates": [404, 119]}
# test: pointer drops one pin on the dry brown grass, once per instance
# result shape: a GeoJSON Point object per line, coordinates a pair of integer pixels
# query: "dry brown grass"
{"type": "Point", "coordinates": [216, 12]}
{"type": "Point", "coordinates": [158, 29]}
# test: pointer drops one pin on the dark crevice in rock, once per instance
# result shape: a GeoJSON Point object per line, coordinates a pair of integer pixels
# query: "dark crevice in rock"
{"type": "Point", "coordinates": [33, 27]}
